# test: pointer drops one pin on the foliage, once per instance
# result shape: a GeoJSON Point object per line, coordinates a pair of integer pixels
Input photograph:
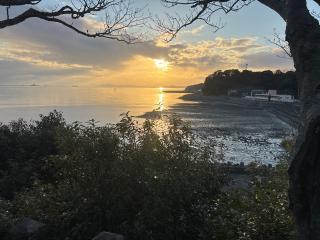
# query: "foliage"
{"type": "Point", "coordinates": [288, 144]}
{"type": "Point", "coordinates": [220, 82]}
{"type": "Point", "coordinates": [260, 212]}
{"type": "Point", "coordinates": [23, 147]}
{"type": "Point", "coordinates": [131, 179]}
{"type": "Point", "coordinates": [125, 179]}
{"type": "Point", "coordinates": [6, 218]}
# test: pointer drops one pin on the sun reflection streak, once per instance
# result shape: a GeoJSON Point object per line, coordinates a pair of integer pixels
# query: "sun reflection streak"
{"type": "Point", "coordinates": [161, 98]}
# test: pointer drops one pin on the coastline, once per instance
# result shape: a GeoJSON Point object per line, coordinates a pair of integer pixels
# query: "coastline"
{"type": "Point", "coordinates": [244, 130]}
{"type": "Point", "coordinates": [285, 112]}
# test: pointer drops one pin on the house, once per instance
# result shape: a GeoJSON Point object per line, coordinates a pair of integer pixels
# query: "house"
{"type": "Point", "coordinates": [270, 95]}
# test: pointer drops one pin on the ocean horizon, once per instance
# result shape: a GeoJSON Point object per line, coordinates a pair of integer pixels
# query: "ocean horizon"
{"type": "Point", "coordinates": [82, 103]}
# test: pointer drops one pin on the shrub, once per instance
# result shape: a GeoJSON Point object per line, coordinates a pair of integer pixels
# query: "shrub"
{"type": "Point", "coordinates": [6, 218]}
{"type": "Point", "coordinates": [126, 179]}
{"type": "Point", "coordinates": [260, 212]}
{"type": "Point", "coordinates": [23, 147]}
{"type": "Point", "coordinates": [131, 179]}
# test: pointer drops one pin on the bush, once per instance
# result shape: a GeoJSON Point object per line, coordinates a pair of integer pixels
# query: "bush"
{"type": "Point", "coordinates": [6, 218]}
{"type": "Point", "coordinates": [260, 212]}
{"type": "Point", "coordinates": [126, 179]}
{"type": "Point", "coordinates": [23, 147]}
{"type": "Point", "coordinates": [83, 179]}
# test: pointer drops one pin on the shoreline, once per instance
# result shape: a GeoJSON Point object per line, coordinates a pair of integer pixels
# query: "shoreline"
{"type": "Point", "coordinates": [246, 130]}
{"type": "Point", "coordinates": [286, 112]}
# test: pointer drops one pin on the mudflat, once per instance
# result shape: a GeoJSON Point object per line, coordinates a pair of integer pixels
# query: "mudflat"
{"type": "Point", "coordinates": [244, 130]}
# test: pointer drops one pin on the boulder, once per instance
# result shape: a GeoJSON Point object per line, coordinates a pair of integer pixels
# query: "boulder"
{"type": "Point", "coordinates": [108, 236]}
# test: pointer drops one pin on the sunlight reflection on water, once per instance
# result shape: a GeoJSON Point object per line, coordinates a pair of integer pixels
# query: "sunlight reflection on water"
{"type": "Point", "coordinates": [83, 103]}
{"type": "Point", "coordinates": [161, 101]}
{"type": "Point", "coordinates": [106, 104]}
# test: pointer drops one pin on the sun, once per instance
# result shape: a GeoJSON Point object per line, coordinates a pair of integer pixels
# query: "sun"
{"type": "Point", "coordinates": [161, 64]}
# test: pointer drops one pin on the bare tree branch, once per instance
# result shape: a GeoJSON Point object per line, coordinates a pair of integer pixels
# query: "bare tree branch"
{"type": "Point", "coordinates": [199, 10]}
{"type": "Point", "coordinates": [281, 43]}
{"type": "Point", "coordinates": [121, 19]}
{"type": "Point", "coordinates": [18, 2]}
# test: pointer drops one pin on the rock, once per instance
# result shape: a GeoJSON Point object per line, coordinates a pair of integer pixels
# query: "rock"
{"type": "Point", "coordinates": [26, 229]}
{"type": "Point", "coordinates": [108, 236]}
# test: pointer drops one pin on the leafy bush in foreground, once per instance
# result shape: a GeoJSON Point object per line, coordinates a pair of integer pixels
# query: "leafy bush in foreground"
{"type": "Point", "coordinates": [126, 179]}
{"type": "Point", "coordinates": [80, 180]}
{"type": "Point", "coordinates": [23, 147]}
{"type": "Point", "coordinates": [260, 212]}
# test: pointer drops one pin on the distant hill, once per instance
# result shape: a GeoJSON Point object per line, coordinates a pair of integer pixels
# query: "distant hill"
{"type": "Point", "coordinates": [194, 88]}
{"type": "Point", "coordinates": [220, 82]}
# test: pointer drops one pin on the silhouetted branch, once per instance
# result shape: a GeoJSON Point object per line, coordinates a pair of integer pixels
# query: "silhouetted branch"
{"type": "Point", "coordinates": [281, 43]}
{"type": "Point", "coordinates": [18, 2]}
{"type": "Point", "coordinates": [120, 17]}
{"type": "Point", "coordinates": [199, 10]}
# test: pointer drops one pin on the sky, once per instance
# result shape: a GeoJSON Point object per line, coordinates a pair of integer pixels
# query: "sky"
{"type": "Point", "coordinates": [49, 54]}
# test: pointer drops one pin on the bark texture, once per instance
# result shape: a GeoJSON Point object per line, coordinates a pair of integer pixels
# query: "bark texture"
{"type": "Point", "coordinates": [303, 35]}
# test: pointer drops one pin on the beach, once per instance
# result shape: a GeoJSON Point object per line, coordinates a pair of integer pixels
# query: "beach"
{"type": "Point", "coordinates": [242, 130]}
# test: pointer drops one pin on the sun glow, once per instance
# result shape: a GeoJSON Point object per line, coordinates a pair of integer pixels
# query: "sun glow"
{"type": "Point", "coordinates": [161, 64]}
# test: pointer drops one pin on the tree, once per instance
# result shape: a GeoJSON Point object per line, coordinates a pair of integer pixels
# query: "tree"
{"type": "Point", "coordinates": [220, 83]}
{"type": "Point", "coordinates": [120, 16]}
{"type": "Point", "coordinates": [303, 35]}
{"type": "Point", "coordinates": [281, 43]}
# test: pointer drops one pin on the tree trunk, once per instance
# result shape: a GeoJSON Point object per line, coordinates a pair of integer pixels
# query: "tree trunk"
{"type": "Point", "coordinates": [303, 35]}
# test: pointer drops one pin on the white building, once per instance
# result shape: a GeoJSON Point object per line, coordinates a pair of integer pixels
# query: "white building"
{"type": "Point", "coordinates": [271, 95]}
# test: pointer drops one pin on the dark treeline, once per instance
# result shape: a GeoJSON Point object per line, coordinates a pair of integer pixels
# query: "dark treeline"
{"type": "Point", "coordinates": [220, 82]}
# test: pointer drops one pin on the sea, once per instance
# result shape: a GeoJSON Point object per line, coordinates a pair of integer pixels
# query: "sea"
{"type": "Point", "coordinates": [239, 133]}
{"type": "Point", "coordinates": [103, 104]}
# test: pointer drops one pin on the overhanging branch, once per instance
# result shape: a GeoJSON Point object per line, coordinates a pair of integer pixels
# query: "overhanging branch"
{"type": "Point", "coordinates": [120, 17]}
{"type": "Point", "coordinates": [200, 10]}
{"type": "Point", "coordinates": [8, 3]}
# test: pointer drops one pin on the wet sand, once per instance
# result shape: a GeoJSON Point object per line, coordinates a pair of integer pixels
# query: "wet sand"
{"type": "Point", "coordinates": [246, 130]}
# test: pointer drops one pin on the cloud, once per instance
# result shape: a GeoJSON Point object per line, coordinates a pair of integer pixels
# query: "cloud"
{"type": "Point", "coordinates": [50, 46]}
{"type": "Point", "coordinates": [194, 31]}
{"type": "Point", "coordinates": [42, 52]}
{"type": "Point", "coordinates": [20, 72]}
{"type": "Point", "coordinates": [223, 53]}
{"type": "Point", "coordinates": [267, 60]}
{"type": "Point", "coordinates": [63, 45]}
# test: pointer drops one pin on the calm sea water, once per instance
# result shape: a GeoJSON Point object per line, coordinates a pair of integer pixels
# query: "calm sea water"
{"type": "Point", "coordinates": [245, 137]}
{"type": "Point", "coordinates": [82, 103]}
